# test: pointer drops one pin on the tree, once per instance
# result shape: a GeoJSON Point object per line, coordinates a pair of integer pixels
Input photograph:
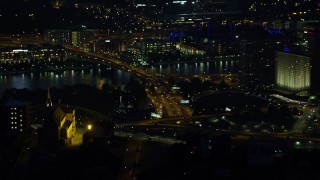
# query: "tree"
{"type": "Point", "coordinates": [152, 89]}
{"type": "Point", "coordinates": [171, 81]}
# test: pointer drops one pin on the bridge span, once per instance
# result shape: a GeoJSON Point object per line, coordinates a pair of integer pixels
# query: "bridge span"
{"type": "Point", "coordinates": [150, 78]}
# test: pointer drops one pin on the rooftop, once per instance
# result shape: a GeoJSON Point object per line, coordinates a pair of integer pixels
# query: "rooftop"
{"type": "Point", "coordinates": [13, 103]}
{"type": "Point", "coordinates": [66, 125]}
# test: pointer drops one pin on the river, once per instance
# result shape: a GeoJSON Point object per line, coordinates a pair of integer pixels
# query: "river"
{"type": "Point", "coordinates": [44, 80]}
{"type": "Point", "coordinates": [97, 77]}
{"type": "Point", "coordinates": [198, 68]}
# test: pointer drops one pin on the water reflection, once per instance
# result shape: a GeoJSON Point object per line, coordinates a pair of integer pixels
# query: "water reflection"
{"type": "Point", "coordinates": [43, 80]}
{"type": "Point", "coordinates": [216, 67]}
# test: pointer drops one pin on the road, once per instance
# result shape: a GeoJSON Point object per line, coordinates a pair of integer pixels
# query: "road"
{"type": "Point", "coordinates": [104, 59]}
{"type": "Point", "coordinates": [308, 114]}
{"type": "Point", "coordinates": [171, 123]}
{"type": "Point", "coordinates": [171, 103]}
{"type": "Point", "coordinates": [20, 40]}
{"type": "Point", "coordinates": [165, 102]}
{"type": "Point", "coordinates": [131, 157]}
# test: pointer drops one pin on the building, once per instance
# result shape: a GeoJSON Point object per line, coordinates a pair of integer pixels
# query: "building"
{"type": "Point", "coordinates": [59, 127]}
{"type": "Point", "coordinates": [158, 46]}
{"type": "Point", "coordinates": [189, 50]}
{"type": "Point", "coordinates": [65, 119]}
{"type": "Point", "coordinates": [257, 60]}
{"type": "Point", "coordinates": [85, 36]}
{"type": "Point", "coordinates": [312, 37]}
{"type": "Point", "coordinates": [299, 71]}
{"type": "Point", "coordinates": [292, 72]}
{"type": "Point", "coordinates": [88, 6]}
{"type": "Point", "coordinates": [15, 117]}
{"type": "Point", "coordinates": [58, 36]}
{"type": "Point", "coordinates": [30, 53]}
{"type": "Point", "coordinates": [114, 45]}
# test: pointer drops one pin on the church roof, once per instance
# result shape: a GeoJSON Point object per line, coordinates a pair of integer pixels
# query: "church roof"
{"type": "Point", "coordinates": [66, 125]}
{"type": "Point", "coordinates": [58, 115]}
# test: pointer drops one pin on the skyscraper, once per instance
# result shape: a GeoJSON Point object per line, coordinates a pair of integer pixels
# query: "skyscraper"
{"type": "Point", "coordinates": [15, 118]}
{"type": "Point", "coordinates": [293, 72]}
{"type": "Point", "coordinates": [312, 35]}
{"type": "Point", "coordinates": [300, 70]}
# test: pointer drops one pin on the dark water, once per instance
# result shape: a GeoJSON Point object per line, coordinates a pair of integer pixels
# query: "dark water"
{"type": "Point", "coordinates": [44, 80]}
{"type": "Point", "coordinates": [97, 77]}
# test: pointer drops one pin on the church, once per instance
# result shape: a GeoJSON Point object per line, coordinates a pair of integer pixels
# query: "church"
{"type": "Point", "coordinates": [64, 117]}
{"type": "Point", "coordinates": [60, 124]}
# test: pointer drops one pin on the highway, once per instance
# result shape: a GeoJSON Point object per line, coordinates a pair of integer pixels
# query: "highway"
{"type": "Point", "coordinates": [180, 122]}
{"type": "Point", "coordinates": [103, 59]}
{"type": "Point", "coordinates": [211, 131]}
{"type": "Point", "coordinates": [165, 103]}
{"type": "Point", "coordinates": [20, 40]}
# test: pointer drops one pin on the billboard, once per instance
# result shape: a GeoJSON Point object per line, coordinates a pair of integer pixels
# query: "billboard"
{"type": "Point", "coordinates": [184, 101]}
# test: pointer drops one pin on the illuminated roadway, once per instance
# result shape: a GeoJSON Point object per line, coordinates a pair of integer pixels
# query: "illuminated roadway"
{"type": "Point", "coordinates": [20, 40]}
{"type": "Point", "coordinates": [168, 104]}
{"type": "Point", "coordinates": [165, 104]}
{"type": "Point", "coordinates": [154, 124]}
{"type": "Point", "coordinates": [103, 59]}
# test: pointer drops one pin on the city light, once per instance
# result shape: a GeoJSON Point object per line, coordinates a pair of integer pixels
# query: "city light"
{"type": "Point", "coordinates": [176, 88]}
{"type": "Point", "coordinates": [89, 127]}
{"type": "Point", "coordinates": [293, 72]}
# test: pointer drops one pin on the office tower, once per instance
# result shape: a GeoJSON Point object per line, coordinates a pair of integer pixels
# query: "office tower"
{"type": "Point", "coordinates": [293, 72]}
{"type": "Point", "coordinates": [15, 118]}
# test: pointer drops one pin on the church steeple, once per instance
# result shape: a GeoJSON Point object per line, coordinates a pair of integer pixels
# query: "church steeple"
{"type": "Point", "coordinates": [48, 101]}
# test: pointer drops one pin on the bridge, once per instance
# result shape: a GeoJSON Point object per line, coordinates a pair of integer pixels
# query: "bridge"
{"type": "Point", "coordinates": [170, 103]}
{"type": "Point", "coordinates": [171, 124]}
{"type": "Point", "coordinates": [113, 61]}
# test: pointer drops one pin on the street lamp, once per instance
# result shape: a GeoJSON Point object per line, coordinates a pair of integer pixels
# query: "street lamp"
{"type": "Point", "coordinates": [89, 127]}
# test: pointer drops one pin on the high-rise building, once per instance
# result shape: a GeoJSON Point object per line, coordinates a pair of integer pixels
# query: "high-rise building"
{"type": "Point", "coordinates": [301, 72]}
{"type": "Point", "coordinates": [256, 60]}
{"type": "Point", "coordinates": [15, 118]}
{"type": "Point", "coordinates": [312, 37]}
{"type": "Point", "coordinates": [293, 72]}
